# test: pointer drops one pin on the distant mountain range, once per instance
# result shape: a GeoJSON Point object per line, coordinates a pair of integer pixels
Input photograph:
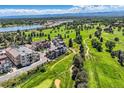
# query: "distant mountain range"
{"type": "Point", "coordinates": [120, 13]}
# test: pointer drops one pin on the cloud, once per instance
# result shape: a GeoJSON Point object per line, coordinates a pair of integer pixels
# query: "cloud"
{"type": "Point", "coordinates": [74, 9]}
{"type": "Point", "coordinates": [13, 12]}
{"type": "Point", "coordinates": [100, 8]}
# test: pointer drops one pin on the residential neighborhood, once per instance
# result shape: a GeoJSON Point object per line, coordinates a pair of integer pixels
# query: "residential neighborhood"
{"type": "Point", "coordinates": [56, 46]}
{"type": "Point", "coordinates": [25, 55]}
{"type": "Point", "coordinates": [60, 48]}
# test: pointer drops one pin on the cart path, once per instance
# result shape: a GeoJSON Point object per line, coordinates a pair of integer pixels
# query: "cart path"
{"type": "Point", "coordinates": [60, 61]}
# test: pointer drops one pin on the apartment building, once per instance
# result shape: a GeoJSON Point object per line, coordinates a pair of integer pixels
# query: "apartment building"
{"type": "Point", "coordinates": [22, 56]}
{"type": "Point", "coordinates": [58, 49]}
{"type": "Point", "coordinates": [5, 64]}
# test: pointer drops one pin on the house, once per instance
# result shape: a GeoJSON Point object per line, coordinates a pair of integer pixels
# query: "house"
{"type": "Point", "coordinates": [5, 64]}
{"type": "Point", "coordinates": [22, 56]}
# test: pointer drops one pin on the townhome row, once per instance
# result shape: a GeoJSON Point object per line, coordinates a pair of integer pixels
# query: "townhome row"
{"type": "Point", "coordinates": [60, 48]}
{"type": "Point", "coordinates": [21, 56]}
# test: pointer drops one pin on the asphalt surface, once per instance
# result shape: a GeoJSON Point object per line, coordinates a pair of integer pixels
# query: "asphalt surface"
{"type": "Point", "coordinates": [42, 60]}
{"type": "Point", "coordinates": [22, 70]}
{"type": "Point", "coordinates": [18, 72]}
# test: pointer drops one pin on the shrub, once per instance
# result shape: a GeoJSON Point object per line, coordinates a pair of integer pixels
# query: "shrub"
{"type": "Point", "coordinates": [116, 39]}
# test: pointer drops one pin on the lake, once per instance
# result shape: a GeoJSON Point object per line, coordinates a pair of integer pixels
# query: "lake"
{"type": "Point", "coordinates": [15, 28]}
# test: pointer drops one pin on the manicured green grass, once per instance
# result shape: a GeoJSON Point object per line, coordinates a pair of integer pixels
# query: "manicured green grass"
{"type": "Point", "coordinates": [45, 84]}
{"type": "Point", "coordinates": [59, 69]}
{"type": "Point", "coordinates": [54, 33]}
{"type": "Point", "coordinates": [103, 71]}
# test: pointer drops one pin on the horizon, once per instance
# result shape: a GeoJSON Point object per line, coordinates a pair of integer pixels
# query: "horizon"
{"type": "Point", "coordinates": [20, 10]}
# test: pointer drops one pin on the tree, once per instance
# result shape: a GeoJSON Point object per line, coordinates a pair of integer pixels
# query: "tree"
{"type": "Point", "coordinates": [75, 70]}
{"type": "Point", "coordinates": [101, 39]}
{"type": "Point", "coordinates": [99, 47]}
{"type": "Point", "coordinates": [70, 42]}
{"type": "Point", "coordinates": [29, 40]}
{"type": "Point", "coordinates": [78, 39]}
{"type": "Point", "coordinates": [123, 33]}
{"type": "Point", "coordinates": [121, 57]}
{"type": "Point", "coordinates": [19, 32]}
{"type": "Point", "coordinates": [81, 79]}
{"type": "Point", "coordinates": [65, 36]}
{"type": "Point", "coordinates": [98, 34]}
{"type": "Point", "coordinates": [42, 69]}
{"type": "Point", "coordinates": [49, 38]}
{"type": "Point", "coordinates": [97, 44]}
{"type": "Point", "coordinates": [110, 45]}
{"type": "Point", "coordinates": [94, 43]}
{"type": "Point", "coordinates": [90, 36]}
{"type": "Point", "coordinates": [23, 33]}
{"type": "Point", "coordinates": [113, 54]}
{"type": "Point", "coordinates": [116, 39]}
{"type": "Point", "coordinates": [78, 61]}
{"type": "Point", "coordinates": [82, 52]}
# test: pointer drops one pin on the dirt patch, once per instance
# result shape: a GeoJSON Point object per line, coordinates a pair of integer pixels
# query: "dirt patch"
{"type": "Point", "coordinates": [57, 83]}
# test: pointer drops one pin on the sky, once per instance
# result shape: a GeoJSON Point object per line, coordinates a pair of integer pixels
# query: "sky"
{"type": "Point", "coordinates": [17, 10]}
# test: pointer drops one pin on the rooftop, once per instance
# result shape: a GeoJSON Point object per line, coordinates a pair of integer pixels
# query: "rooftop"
{"type": "Point", "coordinates": [3, 56]}
{"type": "Point", "coordinates": [21, 50]}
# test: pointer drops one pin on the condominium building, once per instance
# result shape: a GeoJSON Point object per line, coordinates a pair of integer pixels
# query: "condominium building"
{"type": "Point", "coordinates": [22, 56]}
{"type": "Point", "coordinates": [5, 63]}
{"type": "Point", "coordinates": [58, 48]}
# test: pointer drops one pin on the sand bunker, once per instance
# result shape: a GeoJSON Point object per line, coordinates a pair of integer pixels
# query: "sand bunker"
{"type": "Point", "coordinates": [57, 83]}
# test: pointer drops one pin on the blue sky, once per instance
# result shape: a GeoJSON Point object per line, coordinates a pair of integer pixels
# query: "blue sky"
{"type": "Point", "coordinates": [35, 6]}
{"type": "Point", "coordinates": [16, 10]}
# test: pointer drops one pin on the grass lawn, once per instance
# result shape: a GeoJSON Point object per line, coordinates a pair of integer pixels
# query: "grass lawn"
{"type": "Point", "coordinates": [55, 33]}
{"type": "Point", "coordinates": [103, 71]}
{"type": "Point", "coordinates": [59, 69]}
{"type": "Point", "coordinates": [45, 84]}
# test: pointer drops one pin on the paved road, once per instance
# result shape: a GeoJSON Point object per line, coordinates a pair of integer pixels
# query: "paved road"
{"type": "Point", "coordinates": [19, 71]}
{"type": "Point", "coordinates": [34, 65]}
{"type": "Point", "coordinates": [27, 68]}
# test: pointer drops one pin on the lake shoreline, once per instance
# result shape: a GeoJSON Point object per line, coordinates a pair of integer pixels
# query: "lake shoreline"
{"type": "Point", "coordinates": [31, 27]}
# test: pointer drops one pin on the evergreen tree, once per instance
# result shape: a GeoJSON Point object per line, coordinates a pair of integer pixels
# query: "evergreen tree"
{"type": "Point", "coordinates": [70, 42]}
{"type": "Point", "coordinates": [82, 53]}
{"type": "Point", "coordinates": [110, 45]}
{"type": "Point", "coordinates": [49, 38]}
